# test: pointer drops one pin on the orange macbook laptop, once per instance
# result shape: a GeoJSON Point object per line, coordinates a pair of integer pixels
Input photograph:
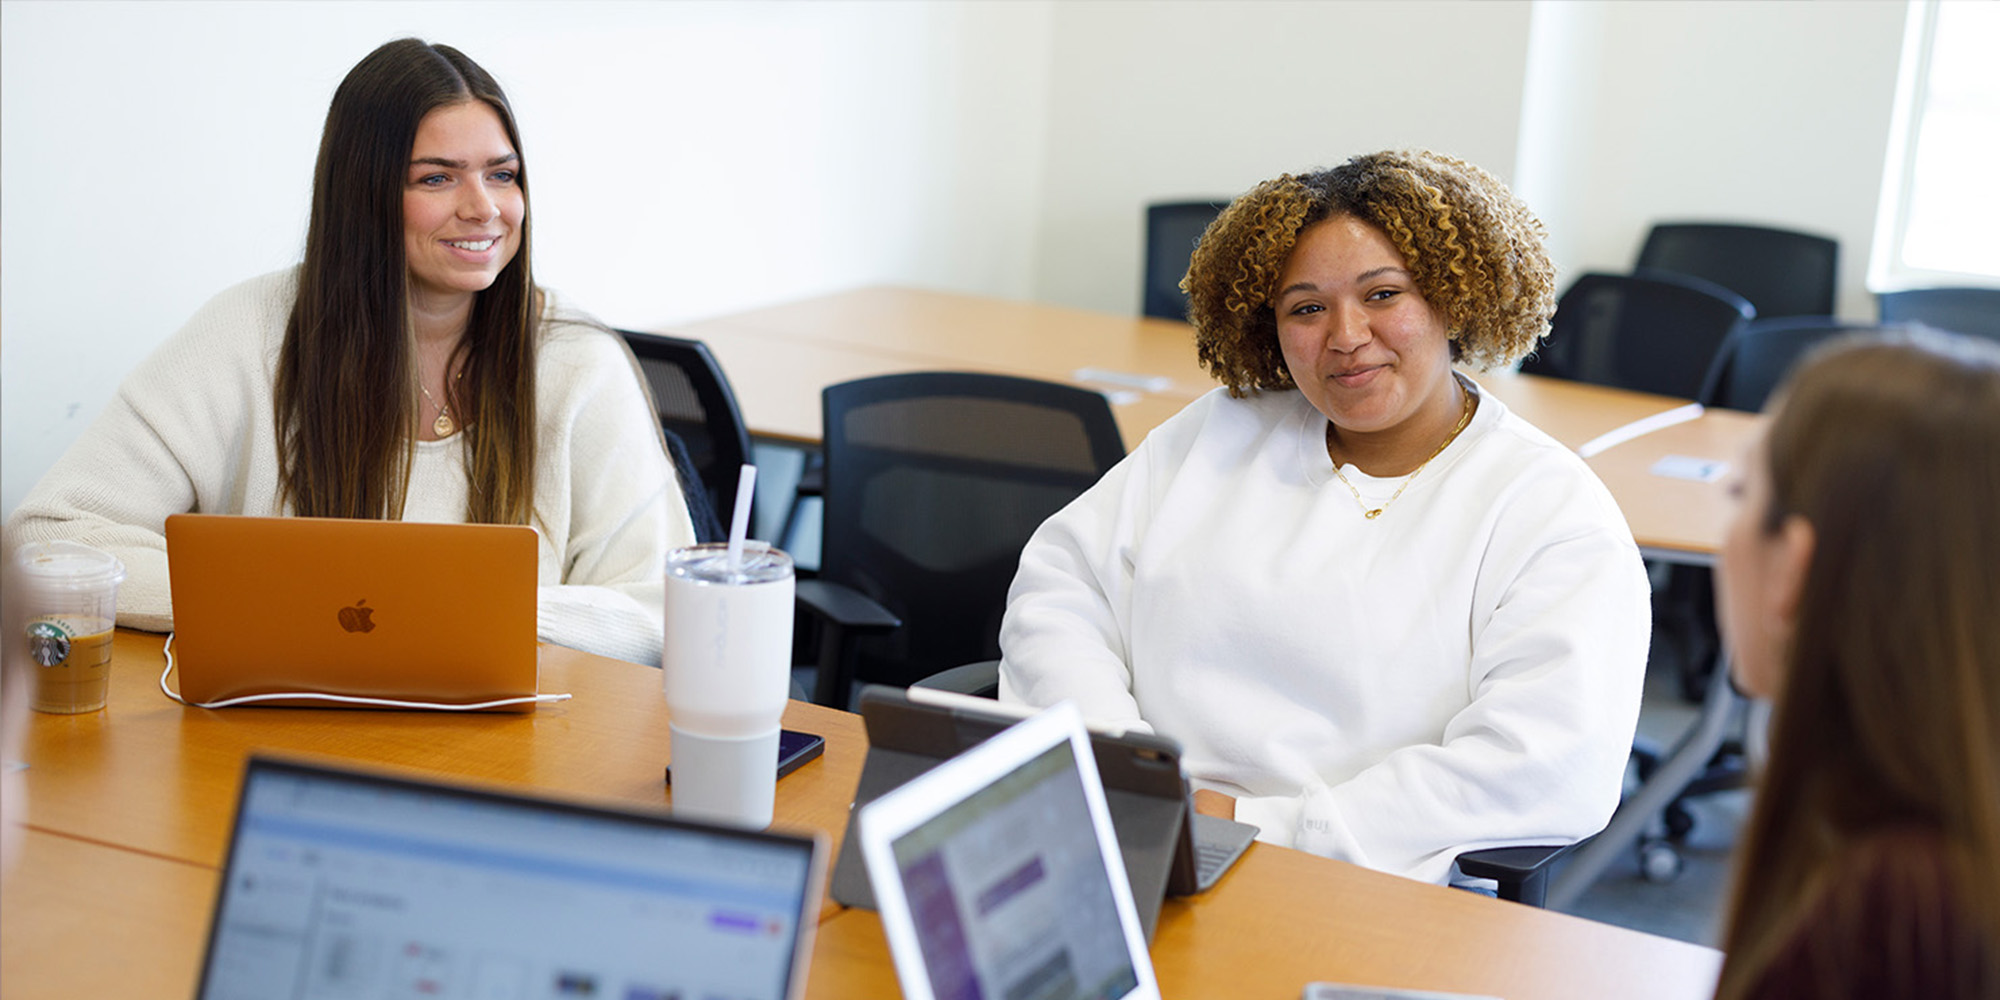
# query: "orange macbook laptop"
{"type": "Point", "coordinates": [326, 612]}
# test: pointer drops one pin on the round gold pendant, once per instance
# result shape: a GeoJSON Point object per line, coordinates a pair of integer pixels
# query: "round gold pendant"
{"type": "Point", "coordinates": [443, 425]}
{"type": "Point", "coordinates": [1370, 515]}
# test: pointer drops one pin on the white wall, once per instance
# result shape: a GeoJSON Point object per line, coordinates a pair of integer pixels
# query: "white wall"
{"type": "Point", "coordinates": [694, 158]}
{"type": "Point", "coordinates": [685, 159]}
{"type": "Point", "coordinates": [1154, 102]}
{"type": "Point", "coordinates": [1769, 113]}
{"type": "Point", "coordinates": [1605, 116]}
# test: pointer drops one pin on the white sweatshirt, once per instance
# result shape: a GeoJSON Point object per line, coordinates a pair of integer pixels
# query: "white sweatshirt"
{"type": "Point", "coordinates": [1461, 672]}
{"type": "Point", "coordinates": [191, 429]}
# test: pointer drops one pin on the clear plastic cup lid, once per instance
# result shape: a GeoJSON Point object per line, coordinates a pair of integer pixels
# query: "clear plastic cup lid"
{"type": "Point", "coordinates": [710, 564]}
{"type": "Point", "coordinates": [68, 566]}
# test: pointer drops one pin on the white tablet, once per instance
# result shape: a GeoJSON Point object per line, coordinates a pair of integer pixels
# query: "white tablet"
{"type": "Point", "coordinates": [997, 874]}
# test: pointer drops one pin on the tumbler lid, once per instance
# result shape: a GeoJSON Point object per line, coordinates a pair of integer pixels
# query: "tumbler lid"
{"type": "Point", "coordinates": [709, 564]}
{"type": "Point", "coordinates": [68, 566]}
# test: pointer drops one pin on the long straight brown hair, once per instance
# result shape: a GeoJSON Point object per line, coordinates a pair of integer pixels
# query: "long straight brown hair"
{"type": "Point", "coordinates": [1889, 714]}
{"type": "Point", "coordinates": [345, 393]}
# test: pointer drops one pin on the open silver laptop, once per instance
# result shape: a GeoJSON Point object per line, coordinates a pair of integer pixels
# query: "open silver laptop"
{"type": "Point", "coordinates": [997, 874]}
{"type": "Point", "coordinates": [342, 884]}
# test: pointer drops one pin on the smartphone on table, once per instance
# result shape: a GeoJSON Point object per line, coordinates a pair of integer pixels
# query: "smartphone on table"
{"type": "Point", "coordinates": [794, 749]}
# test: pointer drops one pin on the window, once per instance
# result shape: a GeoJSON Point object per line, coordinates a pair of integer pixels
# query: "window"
{"type": "Point", "coordinates": [1939, 216]}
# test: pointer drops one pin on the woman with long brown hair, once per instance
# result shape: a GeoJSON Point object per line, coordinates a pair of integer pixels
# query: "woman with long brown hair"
{"type": "Point", "coordinates": [1859, 588]}
{"type": "Point", "coordinates": [408, 369]}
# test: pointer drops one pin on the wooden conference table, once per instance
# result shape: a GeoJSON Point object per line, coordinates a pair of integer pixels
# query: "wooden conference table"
{"type": "Point", "coordinates": [130, 810]}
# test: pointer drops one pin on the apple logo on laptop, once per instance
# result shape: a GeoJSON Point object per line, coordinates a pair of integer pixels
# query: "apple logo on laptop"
{"type": "Point", "coordinates": [355, 619]}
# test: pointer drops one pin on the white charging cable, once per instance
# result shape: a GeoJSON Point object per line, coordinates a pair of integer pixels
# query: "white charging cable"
{"type": "Point", "coordinates": [346, 699]}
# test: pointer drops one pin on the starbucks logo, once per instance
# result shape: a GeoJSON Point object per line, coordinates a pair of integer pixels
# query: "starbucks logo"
{"type": "Point", "coordinates": [48, 643]}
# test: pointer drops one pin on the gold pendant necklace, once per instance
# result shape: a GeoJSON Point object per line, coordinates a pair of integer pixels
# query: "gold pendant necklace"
{"type": "Point", "coordinates": [1464, 418]}
{"type": "Point", "coordinates": [443, 425]}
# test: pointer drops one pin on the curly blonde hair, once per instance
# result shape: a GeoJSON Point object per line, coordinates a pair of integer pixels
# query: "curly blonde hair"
{"type": "Point", "coordinates": [1474, 251]}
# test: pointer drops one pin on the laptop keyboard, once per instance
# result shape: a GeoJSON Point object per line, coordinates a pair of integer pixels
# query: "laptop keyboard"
{"type": "Point", "coordinates": [1211, 859]}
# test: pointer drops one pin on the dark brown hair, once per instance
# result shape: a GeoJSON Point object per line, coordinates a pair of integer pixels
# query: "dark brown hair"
{"type": "Point", "coordinates": [345, 393]}
{"type": "Point", "coordinates": [1474, 251]}
{"type": "Point", "coordinates": [1889, 715]}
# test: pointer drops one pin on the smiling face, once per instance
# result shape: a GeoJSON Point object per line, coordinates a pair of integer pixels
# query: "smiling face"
{"type": "Point", "coordinates": [462, 203]}
{"type": "Point", "coordinates": [1366, 349]}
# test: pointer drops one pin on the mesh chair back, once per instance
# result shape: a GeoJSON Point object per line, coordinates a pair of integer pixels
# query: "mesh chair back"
{"type": "Point", "coordinates": [934, 481]}
{"type": "Point", "coordinates": [1172, 229]}
{"type": "Point", "coordinates": [1971, 311]}
{"type": "Point", "coordinates": [1781, 272]}
{"type": "Point", "coordinates": [696, 404]}
{"type": "Point", "coordinates": [1658, 333]}
{"type": "Point", "coordinates": [1753, 363]}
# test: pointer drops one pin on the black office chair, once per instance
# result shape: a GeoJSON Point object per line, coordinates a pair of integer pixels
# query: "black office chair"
{"type": "Point", "coordinates": [1753, 363]}
{"type": "Point", "coordinates": [1172, 229]}
{"type": "Point", "coordinates": [1747, 369]}
{"type": "Point", "coordinates": [1651, 333]}
{"type": "Point", "coordinates": [934, 481]}
{"type": "Point", "coordinates": [696, 404]}
{"type": "Point", "coordinates": [1657, 333]}
{"type": "Point", "coordinates": [1971, 311]}
{"type": "Point", "coordinates": [1520, 873]}
{"type": "Point", "coordinates": [1750, 366]}
{"type": "Point", "coordinates": [1781, 272]}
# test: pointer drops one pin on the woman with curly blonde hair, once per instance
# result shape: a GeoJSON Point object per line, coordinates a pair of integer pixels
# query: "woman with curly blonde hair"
{"type": "Point", "coordinates": [1387, 619]}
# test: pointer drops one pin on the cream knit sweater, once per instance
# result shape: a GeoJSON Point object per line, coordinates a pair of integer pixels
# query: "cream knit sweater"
{"type": "Point", "coordinates": [192, 430]}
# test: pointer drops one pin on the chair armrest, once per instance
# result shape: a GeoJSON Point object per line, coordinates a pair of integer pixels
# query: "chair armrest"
{"type": "Point", "coordinates": [812, 477]}
{"type": "Point", "coordinates": [844, 607]}
{"type": "Point", "coordinates": [1523, 872]}
{"type": "Point", "coordinates": [843, 613]}
{"type": "Point", "coordinates": [981, 680]}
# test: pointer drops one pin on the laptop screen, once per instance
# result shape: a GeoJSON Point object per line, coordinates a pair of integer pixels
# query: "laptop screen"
{"type": "Point", "coordinates": [1010, 889]}
{"type": "Point", "coordinates": [348, 885]}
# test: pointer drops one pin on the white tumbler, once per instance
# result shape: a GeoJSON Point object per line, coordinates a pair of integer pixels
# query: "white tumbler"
{"type": "Point", "coordinates": [727, 665]}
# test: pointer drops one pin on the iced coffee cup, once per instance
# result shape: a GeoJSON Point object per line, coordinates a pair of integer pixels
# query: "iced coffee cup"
{"type": "Point", "coordinates": [727, 666]}
{"type": "Point", "coordinates": [69, 594]}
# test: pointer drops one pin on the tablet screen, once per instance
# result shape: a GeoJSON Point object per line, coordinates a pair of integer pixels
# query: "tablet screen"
{"type": "Point", "coordinates": [1009, 893]}
{"type": "Point", "coordinates": [353, 885]}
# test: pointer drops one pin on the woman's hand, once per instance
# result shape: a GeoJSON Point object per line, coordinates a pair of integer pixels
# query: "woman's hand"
{"type": "Point", "coordinates": [1213, 803]}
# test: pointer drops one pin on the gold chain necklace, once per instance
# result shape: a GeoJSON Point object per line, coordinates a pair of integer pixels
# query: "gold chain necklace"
{"type": "Point", "coordinates": [1464, 417]}
{"type": "Point", "coordinates": [443, 425]}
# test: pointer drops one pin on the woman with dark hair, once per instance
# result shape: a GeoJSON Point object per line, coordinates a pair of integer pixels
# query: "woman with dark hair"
{"type": "Point", "coordinates": [1858, 589]}
{"type": "Point", "coordinates": [408, 369]}
{"type": "Point", "coordinates": [1388, 620]}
